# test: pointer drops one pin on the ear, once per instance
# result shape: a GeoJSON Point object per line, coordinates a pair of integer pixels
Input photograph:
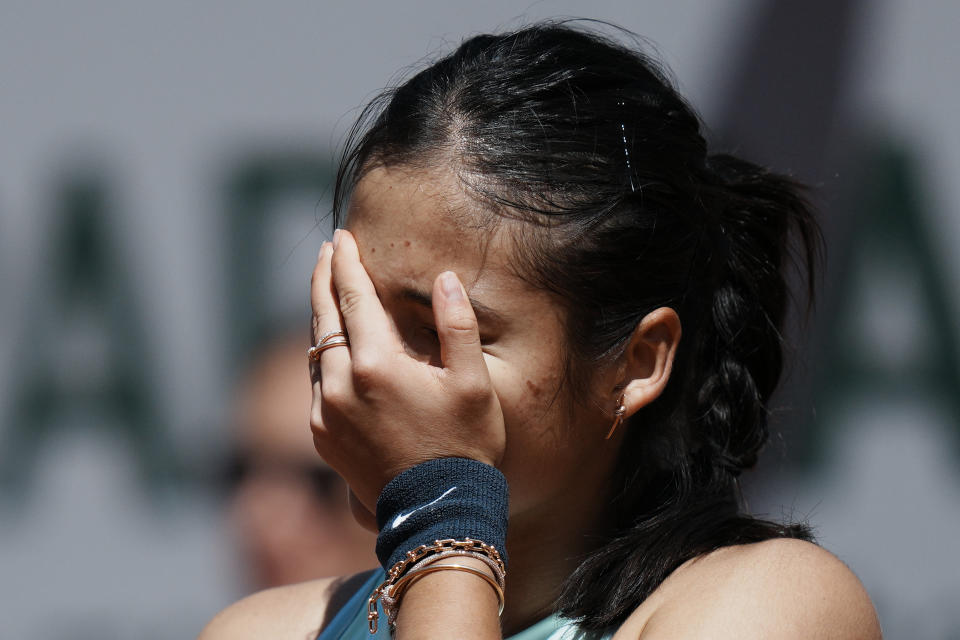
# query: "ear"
{"type": "Point", "coordinates": [648, 359]}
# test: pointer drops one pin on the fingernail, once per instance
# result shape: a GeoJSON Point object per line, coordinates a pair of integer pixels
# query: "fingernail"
{"type": "Point", "coordinates": [323, 247]}
{"type": "Point", "coordinates": [451, 286]}
{"type": "Point", "coordinates": [336, 238]}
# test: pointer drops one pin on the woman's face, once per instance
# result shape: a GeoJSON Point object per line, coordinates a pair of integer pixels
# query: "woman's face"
{"type": "Point", "coordinates": [410, 226]}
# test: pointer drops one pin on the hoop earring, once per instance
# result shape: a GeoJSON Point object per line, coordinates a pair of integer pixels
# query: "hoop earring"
{"type": "Point", "coordinates": [618, 416]}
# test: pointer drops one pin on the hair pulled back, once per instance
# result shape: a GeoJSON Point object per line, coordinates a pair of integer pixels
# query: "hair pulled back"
{"type": "Point", "coordinates": [587, 141]}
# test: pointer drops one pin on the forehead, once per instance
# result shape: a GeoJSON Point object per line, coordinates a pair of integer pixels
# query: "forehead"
{"type": "Point", "coordinates": [411, 225]}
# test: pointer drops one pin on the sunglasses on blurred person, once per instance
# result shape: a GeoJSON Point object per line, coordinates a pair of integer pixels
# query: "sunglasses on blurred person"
{"type": "Point", "coordinates": [242, 467]}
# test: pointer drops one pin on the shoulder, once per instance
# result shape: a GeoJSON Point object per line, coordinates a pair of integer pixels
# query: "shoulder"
{"type": "Point", "coordinates": [782, 589]}
{"type": "Point", "coordinates": [296, 611]}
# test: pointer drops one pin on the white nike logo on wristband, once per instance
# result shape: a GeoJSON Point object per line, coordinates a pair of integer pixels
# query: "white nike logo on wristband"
{"type": "Point", "coordinates": [399, 520]}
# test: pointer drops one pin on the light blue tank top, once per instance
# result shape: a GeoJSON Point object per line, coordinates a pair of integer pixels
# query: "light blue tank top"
{"type": "Point", "coordinates": [350, 623]}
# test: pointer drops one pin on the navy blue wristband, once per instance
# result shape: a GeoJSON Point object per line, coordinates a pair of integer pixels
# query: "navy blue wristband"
{"type": "Point", "coordinates": [438, 499]}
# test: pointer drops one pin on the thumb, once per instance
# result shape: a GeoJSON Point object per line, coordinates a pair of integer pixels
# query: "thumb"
{"type": "Point", "coordinates": [457, 327]}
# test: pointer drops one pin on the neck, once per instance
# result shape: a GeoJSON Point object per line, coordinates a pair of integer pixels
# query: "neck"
{"type": "Point", "coordinates": [545, 547]}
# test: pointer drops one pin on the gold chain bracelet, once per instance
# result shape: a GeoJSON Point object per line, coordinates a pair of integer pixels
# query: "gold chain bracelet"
{"type": "Point", "coordinates": [391, 603]}
{"type": "Point", "coordinates": [415, 555]}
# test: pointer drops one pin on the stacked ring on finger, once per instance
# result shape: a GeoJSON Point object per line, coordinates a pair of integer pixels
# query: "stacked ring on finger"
{"type": "Point", "coordinates": [328, 340]}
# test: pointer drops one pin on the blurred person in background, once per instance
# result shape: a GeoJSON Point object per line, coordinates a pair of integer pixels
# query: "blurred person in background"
{"type": "Point", "coordinates": [288, 509]}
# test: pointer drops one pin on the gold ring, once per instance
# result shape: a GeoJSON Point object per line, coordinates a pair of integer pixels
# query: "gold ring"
{"type": "Point", "coordinates": [334, 339]}
{"type": "Point", "coordinates": [330, 334]}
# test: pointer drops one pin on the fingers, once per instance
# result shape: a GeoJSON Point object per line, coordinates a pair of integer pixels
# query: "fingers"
{"type": "Point", "coordinates": [352, 299]}
{"type": "Point", "coordinates": [326, 314]}
{"type": "Point", "coordinates": [460, 349]}
{"type": "Point", "coordinates": [366, 322]}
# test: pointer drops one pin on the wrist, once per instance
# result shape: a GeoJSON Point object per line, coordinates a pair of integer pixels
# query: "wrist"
{"type": "Point", "coordinates": [443, 516]}
{"type": "Point", "coordinates": [445, 498]}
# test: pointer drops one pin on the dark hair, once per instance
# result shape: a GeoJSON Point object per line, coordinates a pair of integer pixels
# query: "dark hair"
{"type": "Point", "coordinates": [585, 139]}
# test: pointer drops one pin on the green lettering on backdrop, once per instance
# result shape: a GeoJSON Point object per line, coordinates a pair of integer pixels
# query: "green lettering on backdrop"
{"type": "Point", "coordinates": [255, 194]}
{"type": "Point", "coordinates": [888, 270]}
{"type": "Point", "coordinates": [81, 360]}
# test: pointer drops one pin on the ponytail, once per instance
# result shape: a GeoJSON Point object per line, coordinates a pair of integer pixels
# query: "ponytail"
{"type": "Point", "coordinates": [740, 353]}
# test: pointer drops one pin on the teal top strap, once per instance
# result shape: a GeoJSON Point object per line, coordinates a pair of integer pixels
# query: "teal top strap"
{"type": "Point", "coordinates": [350, 623]}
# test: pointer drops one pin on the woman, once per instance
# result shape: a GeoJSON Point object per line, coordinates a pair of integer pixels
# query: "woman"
{"type": "Point", "coordinates": [544, 272]}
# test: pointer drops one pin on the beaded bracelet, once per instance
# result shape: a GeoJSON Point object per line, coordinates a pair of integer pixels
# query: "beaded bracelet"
{"type": "Point", "coordinates": [498, 573]}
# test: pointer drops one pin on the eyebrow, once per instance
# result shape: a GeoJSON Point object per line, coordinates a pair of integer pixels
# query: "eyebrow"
{"type": "Point", "coordinates": [485, 315]}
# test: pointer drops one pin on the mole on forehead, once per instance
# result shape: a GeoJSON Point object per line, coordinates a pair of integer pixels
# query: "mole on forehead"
{"type": "Point", "coordinates": [412, 244]}
{"type": "Point", "coordinates": [417, 257]}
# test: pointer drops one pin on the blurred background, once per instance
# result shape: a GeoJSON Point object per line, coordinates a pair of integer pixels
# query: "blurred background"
{"type": "Point", "coordinates": [164, 185]}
